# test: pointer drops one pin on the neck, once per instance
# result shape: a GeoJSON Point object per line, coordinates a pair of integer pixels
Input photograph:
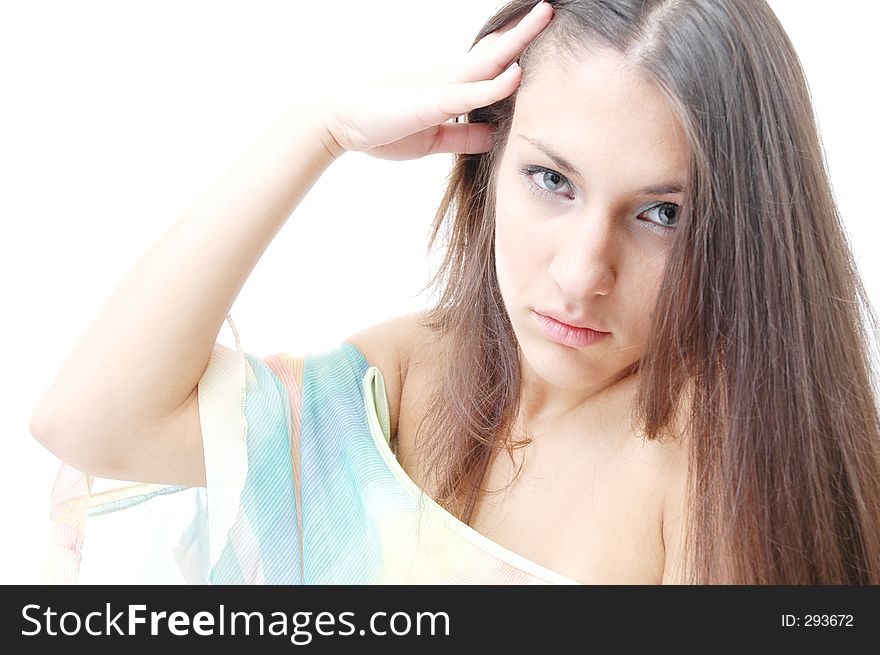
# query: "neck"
{"type": "Point", "coordinates": [601, 409]}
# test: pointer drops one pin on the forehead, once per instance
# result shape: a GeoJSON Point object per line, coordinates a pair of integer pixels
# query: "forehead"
{"type": "Point", "coordinates": [597, 109]}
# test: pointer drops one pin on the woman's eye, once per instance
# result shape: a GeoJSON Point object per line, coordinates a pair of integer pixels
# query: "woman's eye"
{"type": "Point", "coordinates": [550, 184]}
{"type": "Point", "coordinates": [545, 181]}
{"type": "Point", "coordinates": [663, 215]}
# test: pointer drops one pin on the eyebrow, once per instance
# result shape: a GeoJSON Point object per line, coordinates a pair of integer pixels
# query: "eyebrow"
{"type": "Point", "coordinates": [666, 188]}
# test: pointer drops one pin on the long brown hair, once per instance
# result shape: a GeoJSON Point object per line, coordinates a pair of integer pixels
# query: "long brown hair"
{"type": "Point", "coordinates": [761, 322]}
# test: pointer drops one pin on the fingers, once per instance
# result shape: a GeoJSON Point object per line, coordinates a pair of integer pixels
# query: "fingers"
{"type": "Point", "coordinates": [459, 99]}
{"type": "Point", "coordinates": [486, 61]}
{"type": "Point", "coordinates": [469, 138]}
{"type": "Point", "coordinates": [483, 44]}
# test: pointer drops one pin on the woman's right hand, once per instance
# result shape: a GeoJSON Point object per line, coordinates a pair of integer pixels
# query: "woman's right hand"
{"type": "Point", "coordinates": [405, 116]}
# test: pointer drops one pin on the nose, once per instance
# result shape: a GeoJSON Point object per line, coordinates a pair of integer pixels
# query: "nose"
{"type": "Point", "coordinates": [584, 261]}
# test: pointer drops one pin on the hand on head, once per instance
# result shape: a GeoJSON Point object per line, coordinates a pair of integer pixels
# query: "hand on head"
{"type": "Point", "coordinates": [404, 116]}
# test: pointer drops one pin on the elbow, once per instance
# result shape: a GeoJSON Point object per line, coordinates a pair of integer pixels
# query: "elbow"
{"type": "Point", "coordinates": [44, 423]}
{"type": "Point", "coordinates": [46, 431]}
{"type": "Point", "coordinates": [39, 428]}
{"type": "Point", "coordinates": [77, 448]}
{"type": "Point", "coordinates": [46, 435]}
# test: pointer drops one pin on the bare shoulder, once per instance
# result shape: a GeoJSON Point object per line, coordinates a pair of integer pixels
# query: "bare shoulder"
{"type": "Point", "coordinates": [387, 346]}
{"type": "Point", "coordinates": [675, 460]}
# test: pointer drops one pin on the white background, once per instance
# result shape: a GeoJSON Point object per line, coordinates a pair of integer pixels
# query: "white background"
{"type": "Point", "coordinates": [115, 117]}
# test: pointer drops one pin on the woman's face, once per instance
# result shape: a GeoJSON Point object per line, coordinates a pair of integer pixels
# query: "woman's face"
{"type": "Point", "coordinates": [579, 234]}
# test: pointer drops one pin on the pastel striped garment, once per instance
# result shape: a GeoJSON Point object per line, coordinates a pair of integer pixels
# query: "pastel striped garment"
{"type": "Point", "coordinates": [302, 488]}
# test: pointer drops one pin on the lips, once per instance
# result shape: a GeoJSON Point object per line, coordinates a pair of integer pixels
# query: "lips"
{"type": "Point", "coordinates": [573, 322]}
{"type": "Point", "coordinates": [566, 334]}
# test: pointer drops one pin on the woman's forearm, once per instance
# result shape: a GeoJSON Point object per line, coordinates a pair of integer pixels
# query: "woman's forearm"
{"type": "Point", "coordinates": [148, 347]}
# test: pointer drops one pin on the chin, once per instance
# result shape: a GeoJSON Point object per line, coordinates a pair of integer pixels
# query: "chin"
{"type": "Point", "coordinates": [556, 364]}
{"type": "Point", "coordinates": [567, 367]}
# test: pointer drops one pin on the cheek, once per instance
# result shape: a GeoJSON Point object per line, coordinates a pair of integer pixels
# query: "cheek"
{"type": "Point", "coordinates": [515, 252]}
{"type": "Point", "coordinates": [640, 287]}
{"type": "Point", "coordinates": [515, 247]}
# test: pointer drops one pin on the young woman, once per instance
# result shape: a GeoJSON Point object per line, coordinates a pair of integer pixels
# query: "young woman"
{"type": "Point", "coordinates": [649, 361]}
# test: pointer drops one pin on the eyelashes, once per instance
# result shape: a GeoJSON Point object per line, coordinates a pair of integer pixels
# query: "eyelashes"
{"type": "Point", "coordinates": [530, 171]}
{"type": "Point", "coordinates": [664, 211]}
